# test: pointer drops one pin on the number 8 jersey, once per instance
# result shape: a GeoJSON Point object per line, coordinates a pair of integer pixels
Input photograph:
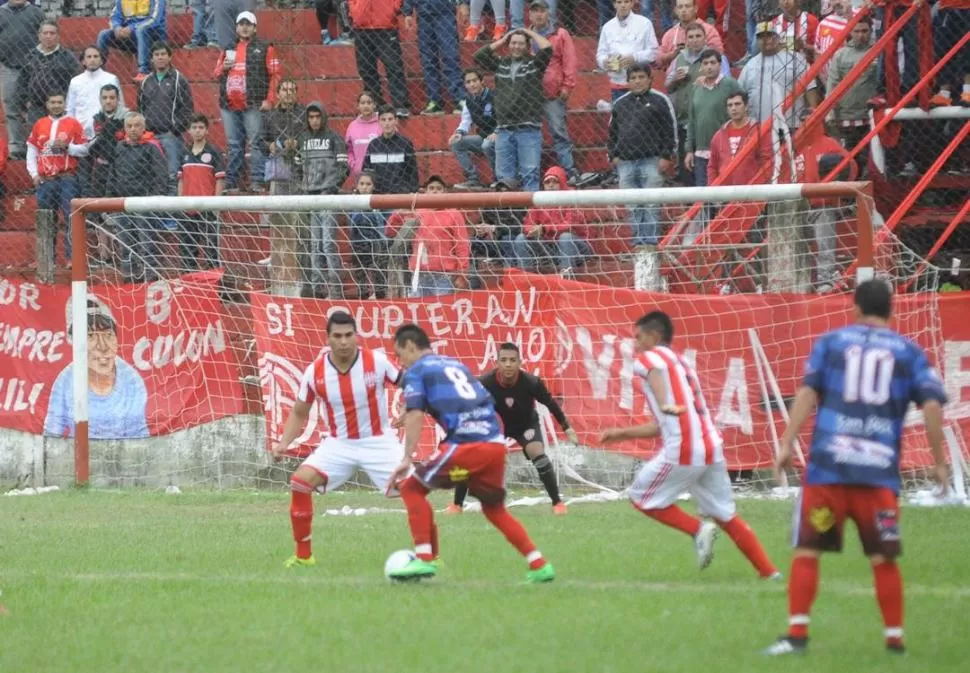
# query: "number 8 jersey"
{"type": "Point", "coordinates": [444, 388]}
{"type": "Point", "coordinates": [865, 378]}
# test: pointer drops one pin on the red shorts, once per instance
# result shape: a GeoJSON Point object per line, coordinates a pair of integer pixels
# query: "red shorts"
{"type": "Point", "coordinates": [822, 511]}
{"type": "Point", "coordinates": [480, 465]}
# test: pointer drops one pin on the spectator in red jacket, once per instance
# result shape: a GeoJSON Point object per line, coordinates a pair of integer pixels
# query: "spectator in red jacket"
{"type": "Point", "coordinates": [730, 138]}
{"type": "Point", "coordinates": [554, 236]}
{"type": "Point", "coordinates": [376, 39]}
{"type": "Point", "coordinates": [440, 247]}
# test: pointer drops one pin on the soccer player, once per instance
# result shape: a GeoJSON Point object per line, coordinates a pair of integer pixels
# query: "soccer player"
{"type": "Point", "coordinates": [862, 379]}
{"type": "Point", "coordinates": [516, 393]}
{"type": "Point", "coordinates": [692, 455]}
{"type": "Point", "coordinates": [351, 383]}
{"type": "Point", "coordinates": [473, 452]}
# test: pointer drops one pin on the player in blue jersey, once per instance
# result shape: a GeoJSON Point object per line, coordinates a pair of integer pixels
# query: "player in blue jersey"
{"type": "Point", "coordinates": [862, 378]}
{"type": "Point", "coordinates": [473, 452]}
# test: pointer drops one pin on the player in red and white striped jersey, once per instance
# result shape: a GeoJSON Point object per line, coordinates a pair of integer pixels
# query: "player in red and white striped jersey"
{"type": "Point", "coordinates": [691, 458]}
{"type": "Point", "coordinates": [351, 384]}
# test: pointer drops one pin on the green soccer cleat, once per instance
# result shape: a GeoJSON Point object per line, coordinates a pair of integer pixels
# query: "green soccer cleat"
{"type": "Point", "coordinates": [297, 562]}
{"type": "Point", "coordinates": [541, 575]}
{"type": "Point", "coordinates": [415, 570]}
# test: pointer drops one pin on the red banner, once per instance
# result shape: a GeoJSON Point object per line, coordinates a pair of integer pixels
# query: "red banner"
{"type": "Point", "coordinates": [579, 337]}
{"type": "Point", "coordinates": [159, 358]}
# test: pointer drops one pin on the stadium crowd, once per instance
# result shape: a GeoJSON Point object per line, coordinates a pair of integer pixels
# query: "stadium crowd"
{"type": "Point", "coordinates": [65, 114]}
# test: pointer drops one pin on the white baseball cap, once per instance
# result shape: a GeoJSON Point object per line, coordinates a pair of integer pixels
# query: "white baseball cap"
{"type": "Point", "coordinates": [246, 16]}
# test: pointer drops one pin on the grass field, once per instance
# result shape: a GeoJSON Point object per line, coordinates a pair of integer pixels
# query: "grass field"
{"type": "Point", "coordinates": [133, 582]}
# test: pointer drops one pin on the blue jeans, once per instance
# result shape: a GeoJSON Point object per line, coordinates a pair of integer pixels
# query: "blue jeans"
{"type": "Point", "coordinates": [642, 174]}
{"type": "Point", "coordinates": [174, 147]}
{"type": "Point", "coordinates": [568, 251]}
{"type": "Point", "coordinates": [473, 144]}
{"type": "Point", "coordinates": [325, 262]}
{"type": "Point", "coordinates": [438, 38]}
{"type": "Point", "coordinates": [517, 10]}
{"type": "Point", "coordinates": [666, 14]}
{"type": "Point", "coordinates": [140, 42]}
{"type": "Point", "coordinates": [56, 195]}
{"type": "Point", "coordinates": [203, 25]}
{"type": "Point", "coordinates": [433, 284]}
{"type": "Point", "coordinates": [518, 152]}
{"type": "Point", "coordinates": [556, 119]}
{"type": "Point", "coordinates": [243, 126]}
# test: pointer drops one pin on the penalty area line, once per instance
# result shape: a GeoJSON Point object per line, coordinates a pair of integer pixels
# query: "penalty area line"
{"type": "Point", "coordinates": [307, 577]}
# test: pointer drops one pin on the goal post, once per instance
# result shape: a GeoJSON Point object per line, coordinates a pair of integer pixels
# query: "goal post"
{"type": "Point", "coordinates": [221, 355]}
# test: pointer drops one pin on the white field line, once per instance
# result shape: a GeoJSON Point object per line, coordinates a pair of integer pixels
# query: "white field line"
{"type": "Point", "coordinates": [303, 577]}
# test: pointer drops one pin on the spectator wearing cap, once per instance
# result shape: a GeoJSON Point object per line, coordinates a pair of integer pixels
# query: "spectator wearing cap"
{"type": "Point", "coordinates": [642, 144]}
{"type": "Point", "coordinates": [439, 248]}
{"type": "Point", "coordinates": [675, 39]}
{"type": "Point", "coordinates": [117, 396]}
{"type": "Point", "coordinates": [478, 111]}
{"type": "Point", "coordinates": [391, 158]}
{"type": "Point", "coordinates": [626, 40]}
{"type": "Point", "coordinates": [224, 18]}
{"type": "Point", "coordinates": [769, 76]}
{"type": "Point", "coordinates": [19, 25]}
{"type": "Point", "coordinates": [249, 75]}
{"type": "Point", "coordinates": [519, 104]}
{"type": "Point", "coordinates": [376, 40]}
{"type": "Point", "coordinates": [135, 26]}
{"type": "Point", "coordinates": [558, 82]}
{"type": "Point", "coordinates": [851, 111]}
{"type": "Point", "coordinates": [555, 236]}
{"type": "Point", "coordinates": [48, 69]}
{"type": "Point", "coordinates": [438, 49]}
{"type": "Point", "coordinates": [165, 99]}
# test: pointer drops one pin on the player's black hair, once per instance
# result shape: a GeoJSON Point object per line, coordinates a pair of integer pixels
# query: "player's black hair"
{"type": "Point", "coordinates": [411, 333]}
{"type": "Point", "coordinates": [509, 346]}
{"type": "Point", "coordinates": [874, 298]}
{"type": "Point", "coordinates": [340, 318]}
{"type": "Point", "coordinates": [659, 322]}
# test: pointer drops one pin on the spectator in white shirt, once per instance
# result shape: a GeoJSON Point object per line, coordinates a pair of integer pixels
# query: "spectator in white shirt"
{"type": "Point", "coordinates": [627, 39]}
{"type": "Point", "coordinates": [84, 92]}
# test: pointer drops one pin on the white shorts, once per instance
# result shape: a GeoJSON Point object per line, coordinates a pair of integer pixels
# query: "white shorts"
{"type": "Point", "coordinates": [659, 483]}
{"type": "Point", "coordinates": [336, 460]}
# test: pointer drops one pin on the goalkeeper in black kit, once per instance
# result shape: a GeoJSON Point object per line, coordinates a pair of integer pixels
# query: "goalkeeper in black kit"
{"type": "Point", "coordinates": [516, 393]}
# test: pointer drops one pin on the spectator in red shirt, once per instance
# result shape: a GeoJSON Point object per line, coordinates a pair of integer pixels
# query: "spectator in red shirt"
{"type": "Point", "coordinates": [202, 174]}
{"type": "Point", "coordinates": [52, 150]}
{"type": "Point", "coordinates": [249, 75]}
{"type": "Point", "coordinates": [730, 138]}
{"type": "Point", "coordinates": [553, 236]}
{"type": "Point", "coordinates": [376, 40]}
{"type": "Point", "coordinates": [440, 247]}
{"type": "Point", "coordinates": [558, 83]}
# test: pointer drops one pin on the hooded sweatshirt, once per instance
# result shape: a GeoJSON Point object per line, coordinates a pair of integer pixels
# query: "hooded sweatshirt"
{"type": "Point", "coordinates": [321, 157]}
{"type": "Point", "coordinates": [441, 243]}
{"type": "Point", "coordinates": [359, 134]}
{"type": "Point", "coordinates": [556, 220]}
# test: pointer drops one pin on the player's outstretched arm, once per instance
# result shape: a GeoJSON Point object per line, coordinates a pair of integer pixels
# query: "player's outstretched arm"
{"type": "Point", "coordinates": [933, 420]}
{"type": "Point", "coordinates": [295, 423]}
{"type": "Point", "coordinates": [805, 400]}
{"type": "Point", "coordinates": [542, 395]}
{"type": "Point", "coordinates": [634, 432]}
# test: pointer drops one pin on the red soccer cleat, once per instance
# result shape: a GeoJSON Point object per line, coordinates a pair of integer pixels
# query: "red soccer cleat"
{"type": "Point", "coordinates": [559, 509]}
{"type": "Point", "coordinates": [453, 509]}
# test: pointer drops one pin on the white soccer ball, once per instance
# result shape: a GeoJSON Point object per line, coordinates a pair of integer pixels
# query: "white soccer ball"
{"type": "Point", "coordinates": [398, 560]}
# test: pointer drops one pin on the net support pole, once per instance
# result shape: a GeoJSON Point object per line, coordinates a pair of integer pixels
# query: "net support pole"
{"type": "Point", "coordinates": [956, 461]}
{"type": "Point", "coordinates": [79, 343]}
{"type": "Point", "coordinates": [866, 240]}
{"type": "Point", "coordinates": [787, 260]}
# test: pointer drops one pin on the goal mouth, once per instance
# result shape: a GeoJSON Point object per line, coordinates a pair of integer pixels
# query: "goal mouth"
{"type": "Point", "coordinates": [220, 351]}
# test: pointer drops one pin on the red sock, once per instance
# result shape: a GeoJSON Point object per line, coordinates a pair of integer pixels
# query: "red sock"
{"type": "Point", "coordinates": [802, 587]}
{"type": "Point", "coordinates": [675, 517]}
{"type": "Point", "coordinates": [515, 533]}
{"type": "Point", "coordinates": [420, 518]}
{"type": "Point", "coordinates": [889, 593]}
{"type": "Point", "coordinates": [740, 532]}
{"type": "Point", "coordinates": [301, 515]}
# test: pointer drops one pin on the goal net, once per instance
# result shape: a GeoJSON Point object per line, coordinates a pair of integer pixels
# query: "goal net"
{"type": "Point", "coordinates": [202, 313]}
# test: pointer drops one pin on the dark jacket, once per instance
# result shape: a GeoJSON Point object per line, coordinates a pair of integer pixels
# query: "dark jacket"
{"type": "Point", "coordinates": [367, 226]}
{"type": "Point", "coordinates": [280, 124]}
{"type": "Point", "coordinates": [394, 163]}
{"type": "Point", "coordinates": [44, 74]}
{"type": "Point", "coordinates": [479, 111]}
{"type": "Point", "coordinates": [518, 87]}
{"type": "Point", "coordinates": [18, 33]}
{"type": "Point", "coordinates": [139, 169]}
{"type": "Point", "coordinates": [108, 132]}
{"type": "Point", "coordinates": [258, 85]}
{"type": "Point", "coordinates": [166, 103]}
{"type": "Point", "coordinates": [320, 165]}
{"type": "Point", "coordinates": [642, 126]}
